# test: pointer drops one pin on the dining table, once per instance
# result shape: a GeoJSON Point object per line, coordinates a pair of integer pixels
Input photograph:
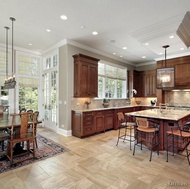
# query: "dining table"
{"type": "Point", "coordinates": [6, 123]}
{"type": "Point", "coordinates": [164, 117]}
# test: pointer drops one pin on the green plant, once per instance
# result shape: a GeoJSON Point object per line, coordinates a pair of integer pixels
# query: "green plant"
{"type": "Point", "coordinates": [105, 100]}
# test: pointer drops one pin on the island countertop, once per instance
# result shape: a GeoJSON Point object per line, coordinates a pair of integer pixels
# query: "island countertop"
{"type": "Point", "coordinates": [165, 114]}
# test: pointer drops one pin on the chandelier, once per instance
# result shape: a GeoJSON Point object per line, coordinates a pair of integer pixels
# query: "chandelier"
{"type": "Point", "coordinates": [10, 81]}
{"type": "Point", "coordinates": [165, 76]}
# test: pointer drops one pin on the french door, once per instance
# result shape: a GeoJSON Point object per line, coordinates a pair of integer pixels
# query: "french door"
{"type": "Point", "coordinates": [50, 99]}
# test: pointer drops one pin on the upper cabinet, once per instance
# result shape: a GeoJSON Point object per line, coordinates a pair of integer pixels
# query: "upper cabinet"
{"type": "Point", "coordinates": [145, 83]}
{"type": "Point", "coordinates": [85, 76]}
{"type": "Point", "coordinates": [182, 76]}
{"type": "Point", "coordinates": [181, 68]}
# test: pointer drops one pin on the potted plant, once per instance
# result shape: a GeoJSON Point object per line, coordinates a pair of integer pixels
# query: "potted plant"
{"type": "Point", "coordinates": [105, 102]}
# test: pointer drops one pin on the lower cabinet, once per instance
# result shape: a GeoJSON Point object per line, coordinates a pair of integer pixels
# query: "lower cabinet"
{"type": "Point", "coordinates": [99, 121]}
{"type": "Point", "coordinates": [91, 122]}
{"type": "Point", "coordinates": [85, 123]}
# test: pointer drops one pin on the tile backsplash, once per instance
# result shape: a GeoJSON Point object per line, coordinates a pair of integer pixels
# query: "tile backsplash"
{"type": "Point", "coordinates": [177, 98]}
{"type": "Point", "coordinates": [79, 103]}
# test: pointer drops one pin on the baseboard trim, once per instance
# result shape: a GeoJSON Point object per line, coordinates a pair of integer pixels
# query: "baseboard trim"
{"type": "Point", "coordinates": [64, 132]}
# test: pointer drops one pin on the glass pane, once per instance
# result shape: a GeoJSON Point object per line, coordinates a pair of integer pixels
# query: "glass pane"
{"type": "Point", "coordinates": [28, 66]}
{"type": "Point", "coordinates": [110, 88]}
{"type": "Point", "coordinates": [4, 97]}
{"type": "Point", "coordinates": [28, 98]}
{"type": "Point", "coordinates": [100, 87]}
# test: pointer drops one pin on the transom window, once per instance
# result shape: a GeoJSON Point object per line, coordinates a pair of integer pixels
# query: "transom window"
{"type": "Point", "coordinates": [111, 81]}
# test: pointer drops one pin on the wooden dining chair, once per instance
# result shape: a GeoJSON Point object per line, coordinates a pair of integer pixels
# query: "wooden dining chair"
{"type": "Point", "coordinates": [19, 134]}
{"type": "Point", "coordinates": [35, 119]}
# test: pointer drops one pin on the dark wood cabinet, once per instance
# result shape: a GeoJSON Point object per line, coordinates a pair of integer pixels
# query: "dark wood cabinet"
{"type": "Point", "coordinates": [99, 121]}
{"type": "Point", "coordinates": [85, 76]}
{"type": "Point", "coordinates": [145, 83]}
{"type": "Point", "coordinates": [88, 123]}
{"type": "Point", "coordinates": [91, 122]}
{"type": "Point", "coordinates": [109, 119]}
{"type": "Point", "coordinates": [182, 76]}
{"type": "Point", "coordinates": [82, 123]}
{"type": "Point", "coordinates": [150, 83]}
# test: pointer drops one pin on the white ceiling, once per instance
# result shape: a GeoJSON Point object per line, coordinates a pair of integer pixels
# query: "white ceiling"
{"type": "Point", "coordinates": [119, 23]}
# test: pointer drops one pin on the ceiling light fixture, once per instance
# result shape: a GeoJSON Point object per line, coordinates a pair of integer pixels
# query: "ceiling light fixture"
{"type": "Point", "coordinates": [63, 17]}
{"type": "Point", "coordinates": [30, 44]}
{"type": "Point", "coordinates": [143, 56]}
{"type": "Point", "coordinates": [10, 82]}
{"type": "Point", "coordinates": [146, 44]}
{"type": "Point", "coordinates": [94, 33]}
{"type": "Point", "coordinates": [171, 36]}
{"type": "Point", "coordinates": [124, 48]}
{"type": "Point", "coordinates": [48, 30]}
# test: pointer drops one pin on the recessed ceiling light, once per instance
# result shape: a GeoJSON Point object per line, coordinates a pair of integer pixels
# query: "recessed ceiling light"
{"type": "Point", "coordinates": [121, 56]}
{"type": "Point", "coordinates": [63, 17]}
{"type": "Point", "coordinates": [48, 30]}
{"type": "Point", "coordinates": [30, 44]}
{"type": "Point", "coordinates": [114, 53]}
{"type": "Point", "coordinates": [171, 36]}
{"type": "Point", "coordinates": [181, 48]}
{"type": "Point", "coordinates": [94, 33]}
{"type": "Point", "coordinates": [82, 27]}
{"type": "Point", "coordinates": [146, 44]}
{"type": "Point", "coordinates": [143, 56]}
{"type": "Point", "coordinates": [160, 53]}
{"type": "Point", "coordinates": [124, 48]}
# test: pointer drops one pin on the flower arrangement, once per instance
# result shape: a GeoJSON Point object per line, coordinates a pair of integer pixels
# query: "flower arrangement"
{"type": "Point", "coordinates": [87, 102]}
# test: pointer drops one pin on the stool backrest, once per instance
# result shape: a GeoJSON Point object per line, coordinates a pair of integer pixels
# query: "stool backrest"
{"type": "Point", "coordinates": [142, 122]}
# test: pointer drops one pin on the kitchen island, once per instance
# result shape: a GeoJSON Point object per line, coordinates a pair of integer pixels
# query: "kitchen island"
{"type": "Point", "coordinates": [164, 117]}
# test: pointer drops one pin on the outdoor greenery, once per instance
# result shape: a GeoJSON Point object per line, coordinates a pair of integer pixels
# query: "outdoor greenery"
{"type": "Point", "coordinates": [28, 98]}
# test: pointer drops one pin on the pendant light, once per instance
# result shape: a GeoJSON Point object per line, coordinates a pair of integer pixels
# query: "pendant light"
{"type": "Point", "coordinates": [165, 75]}
{"type": "Point", "coordinates": [10, 81]}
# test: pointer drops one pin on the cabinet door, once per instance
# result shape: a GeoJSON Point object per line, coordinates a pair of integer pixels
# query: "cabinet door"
{"type": "Point", "coordinates": [84, 80]}
{"type": "Point", "coordinates": [93, 81]}
{"type": "Point", "coordinates": [150, 84]}
{"type": "Point", "coordinates": [85, 76]}
{"type": "Point", "coordinates": [182, 76]}
{"type": "Point", "coordinates": [99, 121]}
{"type": "Point", "coordinates": [109, 119]}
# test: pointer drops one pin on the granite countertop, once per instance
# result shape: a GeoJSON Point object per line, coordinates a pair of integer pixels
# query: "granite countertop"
{"type": "Point", "coordinates": [174, 115]}
{"type": "Point", "coordinates": [111, 108]}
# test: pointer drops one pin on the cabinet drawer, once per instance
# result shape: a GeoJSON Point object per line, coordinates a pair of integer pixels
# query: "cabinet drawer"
{"type": "Point", "coordinates": [87, 130]}
{"type": "Point", "coordinates": [87, 114]}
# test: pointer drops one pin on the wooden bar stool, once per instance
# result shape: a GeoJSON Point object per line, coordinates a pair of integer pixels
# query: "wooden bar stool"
{"type": "Point", "coordinates": [125, 125]}
{"type": "Point", "coordinates": [178, 139]}
{"type": "Point", "coordinates": [147, 135]}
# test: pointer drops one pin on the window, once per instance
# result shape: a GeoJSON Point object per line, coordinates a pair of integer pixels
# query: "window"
{"type": "Point", "coordinates": [111, 81]}
{"type": "Point", "coordinates": [28, 79]}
